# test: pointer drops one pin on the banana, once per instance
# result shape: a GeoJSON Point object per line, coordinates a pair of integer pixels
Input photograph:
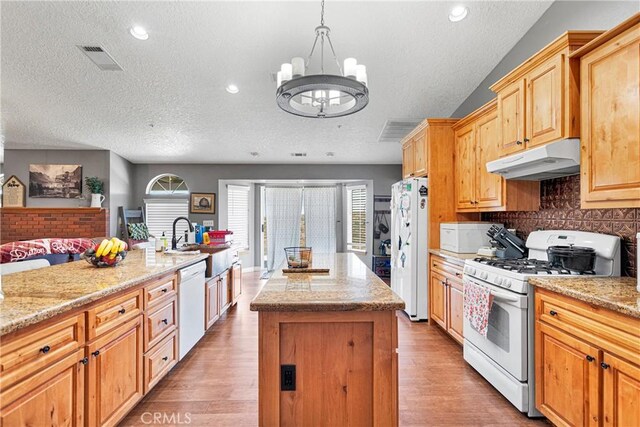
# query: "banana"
{"type": "Point", "coordinates": [116, 247]}
{"type": "Point", "coordinates": [122, 246]}
{"type": "Point", "coordinates": [107, 248]}
{"type": "Point", "coordinates": [100, 249]}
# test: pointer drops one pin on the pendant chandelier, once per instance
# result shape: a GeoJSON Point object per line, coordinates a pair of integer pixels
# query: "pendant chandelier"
{"type": "Point", "coordinates": [322, 95]}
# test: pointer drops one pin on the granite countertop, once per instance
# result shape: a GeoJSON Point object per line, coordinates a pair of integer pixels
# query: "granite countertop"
{"type": "Point", "coordinates": [33, 296]}
{"type": "Point", "coordinates": [615, 293]}
{"type": "Point", "coordinates": [349, 286]}
{"type": "Point", "coordinates": [453, 257]}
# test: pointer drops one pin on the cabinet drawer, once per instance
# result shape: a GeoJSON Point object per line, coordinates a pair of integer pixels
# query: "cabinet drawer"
{"type": "Point", "coordinates": [160, 360]}
{"type": "Point", "coordinates": [29, 353]}
{"type": "Point", "coordinates": [160, 322]}
{"type": "Point", "coordinates": [115, 312]}
{"type": "Point", "coordinates": [606, 329]}
{"type": "Point", "coordinates": [441, 266]}
{"type": "Point", "coordinates": [159, 290]}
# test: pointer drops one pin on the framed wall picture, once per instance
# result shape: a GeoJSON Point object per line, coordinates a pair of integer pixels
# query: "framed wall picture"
{"type": "Point", "coordinates": [13, 193]}
{"type": "Point", "coordinates": [204, 203]}
{"type": "Point", "coordinates": [55, 181]}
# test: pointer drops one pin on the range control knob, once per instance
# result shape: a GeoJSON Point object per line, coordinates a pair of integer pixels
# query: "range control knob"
{"type": "Point", "coordinates": [507, 283]}
{"type": "Point", "coordinates": [484, 275]}
{"type": "Point", "coordinates": [499, 280]}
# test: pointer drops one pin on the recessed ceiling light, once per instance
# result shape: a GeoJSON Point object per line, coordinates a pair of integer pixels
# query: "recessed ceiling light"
{"type": "Point", "coordinates": [139, 32]}
{"type": "Point", "coordinates": [232, 89]}
{"type": "Point", "coordinates": [458, 13]}
{"type": "Point", "coordinates": [254, 153]}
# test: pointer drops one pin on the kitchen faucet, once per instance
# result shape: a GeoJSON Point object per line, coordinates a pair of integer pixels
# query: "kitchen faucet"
{"type": "Point", "coordinates": [174, 241]}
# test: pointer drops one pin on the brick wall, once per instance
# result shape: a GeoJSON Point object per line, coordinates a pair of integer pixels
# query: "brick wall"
{"type": "Point", "coordinates": [36, 223]}
{"type": "Point", "coordinates": [560, 210]}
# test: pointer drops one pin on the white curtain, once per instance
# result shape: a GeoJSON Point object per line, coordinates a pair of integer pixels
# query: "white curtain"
{"type": "Point", "coordinates": [320, 218]}
{"type": "Point", "coordinates": [283, 209]}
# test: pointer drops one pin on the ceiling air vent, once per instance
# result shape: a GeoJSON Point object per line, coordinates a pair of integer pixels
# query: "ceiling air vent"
{"type": "Point", "coordinates": [298, 154]}
{"type": "Point", "coordinates": [101, 58]}
{"type": "Point", "coordinates": [395, 130]}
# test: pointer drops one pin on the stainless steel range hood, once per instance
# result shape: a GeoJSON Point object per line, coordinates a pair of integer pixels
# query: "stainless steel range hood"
{"type": "Point", "coordinates": [553, 160]}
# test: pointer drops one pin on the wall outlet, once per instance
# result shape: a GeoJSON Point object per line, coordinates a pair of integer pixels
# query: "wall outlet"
{"type": "Point", "coordinates": [287, 377]}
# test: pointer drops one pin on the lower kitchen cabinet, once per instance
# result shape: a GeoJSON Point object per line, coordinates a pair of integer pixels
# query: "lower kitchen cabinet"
{"type": "Point", "coordinates": [446, 293]}
{"type": "Point", "coordinates": [53, 396]}
{"type": "Point", "coordinates": [159, 361]}
{"type": "Point", "coordinates": [236, 282]}
{"type": "Point", "coordinates": [212, 301]}
{"type": "Point", "coordinates": [438, 298]}
{"type": "Point", "coordinates": [587, 363]}
{"type": "Point", "coordinates": [115, 373]}
{"type": "Point", "coordinates": [224, 290]}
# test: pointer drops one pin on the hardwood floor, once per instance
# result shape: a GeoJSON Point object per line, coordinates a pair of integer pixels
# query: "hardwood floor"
{"type": "Point", "coordinates": [217, 383]}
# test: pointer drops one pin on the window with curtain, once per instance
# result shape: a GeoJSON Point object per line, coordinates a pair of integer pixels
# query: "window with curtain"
{"type": "Point", "coordinates": [320, 218]}
{"type": "Point", "coordinates": [357, 218]}
{"type": "Point", "coordinates": [160, 213]}
{"type": "Point", "coordinates": [283, 214]}
{"type": "Point", "coordinates": [238, 214]}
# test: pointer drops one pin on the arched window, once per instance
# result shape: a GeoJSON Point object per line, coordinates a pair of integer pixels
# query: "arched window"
{"type": "Point", "coordinates": [168, 199]}
{"type": "Point", "coordinates": [167, 185]}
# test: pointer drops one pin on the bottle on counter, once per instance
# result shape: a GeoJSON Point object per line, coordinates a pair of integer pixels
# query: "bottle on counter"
{"type": "Point", "coordinates": [165, 242]}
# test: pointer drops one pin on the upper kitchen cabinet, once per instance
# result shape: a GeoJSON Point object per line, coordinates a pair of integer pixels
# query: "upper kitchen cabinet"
{"type": "Point", "coordinates": [538, 102]}
{"type": "Point", "coordinates": [476, 143]}
{"type": "Point", "coordinates": [610, 126]}
{"type": "Point", "coordinates": [414, 153]}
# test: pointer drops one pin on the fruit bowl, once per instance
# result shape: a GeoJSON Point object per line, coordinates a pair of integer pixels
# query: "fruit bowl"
{"type": "Point", "coordinates": [107, 253]}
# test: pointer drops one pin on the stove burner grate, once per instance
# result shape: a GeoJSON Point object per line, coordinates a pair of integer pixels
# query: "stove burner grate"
{"type": "Point", "coordinates": [528, 266]}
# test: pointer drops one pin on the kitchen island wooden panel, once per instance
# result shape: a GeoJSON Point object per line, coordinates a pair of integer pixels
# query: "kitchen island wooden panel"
{"type": "Point", "coordinates": [339, 331]}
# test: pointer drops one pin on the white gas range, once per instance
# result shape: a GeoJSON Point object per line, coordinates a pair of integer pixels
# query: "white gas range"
{"type": "Point", "coordinates": [505, 357]}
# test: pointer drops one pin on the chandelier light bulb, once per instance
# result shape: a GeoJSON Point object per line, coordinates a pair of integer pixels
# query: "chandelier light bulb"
{"type": "Point", "coordinates": [350, 67]}
{"type": "Point", "coordinates": [361, 74]}
{"type": "Point", "coordinates": [279, 78]}
{"type": "Point", "coordinates": [297, 65]}
{"type": "Point", "coordinates": [287, 72]}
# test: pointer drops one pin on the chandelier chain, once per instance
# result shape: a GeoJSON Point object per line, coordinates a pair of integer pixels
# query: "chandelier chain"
{"type": "Point", "coordinates": [322, 13]}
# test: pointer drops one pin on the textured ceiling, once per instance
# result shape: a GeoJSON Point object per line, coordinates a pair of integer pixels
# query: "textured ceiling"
{"type": "Point", "coordinates": [419, 64]}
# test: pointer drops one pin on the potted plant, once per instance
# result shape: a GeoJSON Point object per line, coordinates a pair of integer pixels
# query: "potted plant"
{"type": "Point", "coordinates": [96, 188]}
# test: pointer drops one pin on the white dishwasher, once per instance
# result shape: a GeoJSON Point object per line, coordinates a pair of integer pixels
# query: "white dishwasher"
{"type": "Point", "coordinates": [191, 282]}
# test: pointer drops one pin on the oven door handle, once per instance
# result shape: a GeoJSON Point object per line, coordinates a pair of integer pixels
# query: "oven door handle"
{"type": "Point", "coordinates": [504, 297]}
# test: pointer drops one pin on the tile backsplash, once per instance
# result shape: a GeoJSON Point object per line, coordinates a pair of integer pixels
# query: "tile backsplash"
{"type": "Point", "coordinates": [560, 210]}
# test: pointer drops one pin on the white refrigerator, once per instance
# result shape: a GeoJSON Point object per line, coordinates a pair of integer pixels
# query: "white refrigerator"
{"type": "Point", "coordinates": [409, 245]}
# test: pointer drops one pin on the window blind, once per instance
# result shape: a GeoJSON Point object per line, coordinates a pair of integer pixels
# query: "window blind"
{"type": "Point", "coordinates": [160, 213]}
{"type": "Point", "coordinates": [238, 214]}
{"type": "Point", "coordinates": [357, 218]}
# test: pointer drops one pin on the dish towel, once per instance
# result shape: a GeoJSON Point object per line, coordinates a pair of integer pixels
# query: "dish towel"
{"type": "Point", "coordinates": [477, 305]}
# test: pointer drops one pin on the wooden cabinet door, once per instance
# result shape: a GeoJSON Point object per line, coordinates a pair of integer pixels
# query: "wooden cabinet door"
{"type": "Point", "coordinates": [490, 187]}
{"type": "Point", "coordinates": [544, 103]}
{"type": "Point", "coordinates": [455, 319]}
{"type": "Point", "coordinates": [236, 282]}
{"type": "Point", "coordinates": [407, 159]}
{"type": "Point", "coordinates": [465, 167]}
{"type": "Point", "coordinates": [115, 379]}
{"type": "Point", "coordinates": [438, 298]}
{"type": "Point", "coordinates": [225, 301]}
{"type": "Point", "coordinates": [420, 153]}
{"type": "Point", "coordinates": [53, 396]}
{"type": "Point", "coordinates": [567, 378]}
{"type": "Point", "coordinates": [621, 392]}
{"type": "Point", "coordinates": [212, 302]}
{"type": "Point", "coordinates": [511, 118]}
{"type": "Point", "coordinates": [610, 125]}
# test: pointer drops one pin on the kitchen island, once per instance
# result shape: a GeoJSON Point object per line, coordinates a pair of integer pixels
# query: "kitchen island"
{"type": "Point", "coordinates": [328, 346]}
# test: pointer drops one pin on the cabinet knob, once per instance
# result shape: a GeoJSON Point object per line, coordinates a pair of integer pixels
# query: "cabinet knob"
{"type": "Point", "coordinates": [553, 313]}
{"type": "Point", "coordinates": [165, 321]}
{"type": "Point", "coordinates": [526, 140]}
{"type": "Point", "coordinates": [165, 358]}
{"type": "Point", "coordinates": [84, 360]}
{"type": "Point", "coordinates": [458, 275]}
{"type": "Point", "coordinates": [518, 142]}
{"type": "Point", "coordinates": [45, 349]}
{"type": "Point", "coordinates": [95, 353]}
{"type": "Point", "coordinates": [590, 358]}
{"type": "Point", "coordinates": [604, 365]}
{"type": "Point", "coordinates": [443, 282]}
{"type": "Point", "coordinates": [122, 311]}
{"type": "Point", "coordinates": [164, 290]}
